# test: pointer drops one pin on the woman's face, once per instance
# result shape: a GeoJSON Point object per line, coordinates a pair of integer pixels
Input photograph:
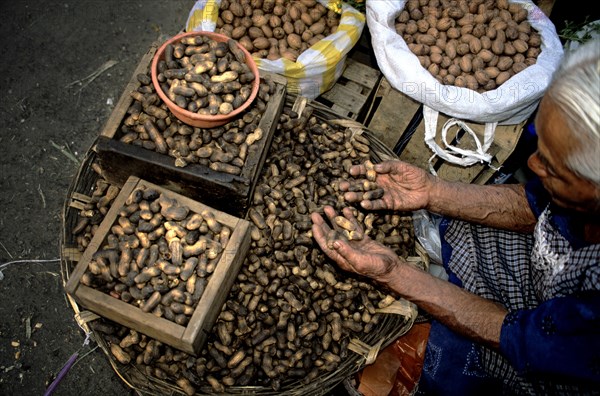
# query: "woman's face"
{"type": "Point", "coordinates": [548, 162]}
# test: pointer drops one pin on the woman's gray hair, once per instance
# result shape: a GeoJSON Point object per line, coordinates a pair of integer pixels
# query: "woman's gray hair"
{"type": "Point", "coordinates": [575, 90]}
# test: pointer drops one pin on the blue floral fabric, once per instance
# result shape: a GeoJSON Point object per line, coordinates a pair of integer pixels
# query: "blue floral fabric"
{"type": "Point", "coordinates": [550, 283]}
{"type": "Point", "coordinates": [560, 337]}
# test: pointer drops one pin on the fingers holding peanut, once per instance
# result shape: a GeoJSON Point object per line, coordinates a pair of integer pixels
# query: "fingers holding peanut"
{"type": "Point", "coordinates": [363, 189]}
{"type": "Point", "coordinates": [344, 226]}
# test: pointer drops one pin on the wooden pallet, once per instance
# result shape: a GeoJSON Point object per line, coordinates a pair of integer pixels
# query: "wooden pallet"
{"type": "Point", "coordinates": [396, 120]}
{"type": "Point", "coordinates": [351, 93]}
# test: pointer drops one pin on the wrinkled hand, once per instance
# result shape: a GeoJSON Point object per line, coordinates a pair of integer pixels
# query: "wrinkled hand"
{"type": "Point", "coordinates": [406, 187]}
{"type": "Point", "coordinates": [365, 257]}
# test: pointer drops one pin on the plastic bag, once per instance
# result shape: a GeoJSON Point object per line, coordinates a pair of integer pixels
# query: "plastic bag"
{"type": "Point", "coordinates": [319, 67]}
{"type": "Point", "coordinates": [511, 103]}
{"type": "Point", "coordinates": [397, 369]}
{"type": "Point", "coordinates": [427, 232]}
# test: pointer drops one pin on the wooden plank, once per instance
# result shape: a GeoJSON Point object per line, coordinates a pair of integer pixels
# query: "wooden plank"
{"type": "Point", "coordinates": [114, 121]}
{"type": "Point", "coordinates": [132, 317]}
{"type": "Point", "coordinates": [416, 151]}
{"type": "Point", "coordinates": [500, 158]}
{"type": "Point", "coordinates": [349, 95]}
{"type": "Point", "coordinates": [361, 74]}
{"type": "Point", "coordinates": [453, 172]}
{"type": "Point", "coordinates": [505, 140]}
{"type": "Point", "coordinates": [391, 113]}
{"type": "Point", "coordinates": [188, 338]}
{"type": "Point", "coordinates": [257, 153]}
{"type": "Point", "coordinates": [341, 111]}
{"type": "Point", "coordinates": [217, 290]}
{"type": "Point", "coordinates": [507, 136]}
{"type": "Point", "coordinates": [356, 87]}
{"type": "Point", "coordinates": [84, 317]}
{"type": "Point", "coordinates": [345, 98]}
{"type": "Point", "coordinates": [461, 139]}
{"type": "Point", "coordinates": [487, 173]}
{"type": "Point", "coordinates": [71, 253]}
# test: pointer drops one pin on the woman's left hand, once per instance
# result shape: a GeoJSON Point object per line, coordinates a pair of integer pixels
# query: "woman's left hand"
{"type": "Point", "coordinates": [365, 256]}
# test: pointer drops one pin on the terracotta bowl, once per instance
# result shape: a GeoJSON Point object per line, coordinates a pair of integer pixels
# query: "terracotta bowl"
{"type": "Point", "coordinates": [195, 119]}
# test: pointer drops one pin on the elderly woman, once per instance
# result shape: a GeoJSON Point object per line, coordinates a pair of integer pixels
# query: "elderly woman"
{"type": "Point", "coordinates": [521, 313]}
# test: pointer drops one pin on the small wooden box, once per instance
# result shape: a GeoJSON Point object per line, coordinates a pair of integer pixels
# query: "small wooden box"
{"type": "Point", "coordinates": [223, 191]}
{"type": "Point", "coordinates": [189, 338]}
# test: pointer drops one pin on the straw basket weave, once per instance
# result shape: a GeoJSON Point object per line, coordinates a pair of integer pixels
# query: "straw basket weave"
{"type": "Point", "coordinates": [361, 351]}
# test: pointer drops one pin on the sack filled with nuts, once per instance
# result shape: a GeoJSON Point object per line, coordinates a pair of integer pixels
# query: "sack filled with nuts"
{"type": "Point", "coordinates": [484, 61]}
{"type": "Point", "coordinates": [305, 41]}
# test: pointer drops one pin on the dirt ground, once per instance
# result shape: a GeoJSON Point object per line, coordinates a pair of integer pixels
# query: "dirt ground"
{"type": "Point", "coordinates": [54, 99]}
{"type": "Point", "coordinates": [48, 122]}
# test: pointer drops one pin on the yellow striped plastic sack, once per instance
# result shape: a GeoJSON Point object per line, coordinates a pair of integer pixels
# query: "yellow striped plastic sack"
{"type": "Point", "coordinates": [319, 67]}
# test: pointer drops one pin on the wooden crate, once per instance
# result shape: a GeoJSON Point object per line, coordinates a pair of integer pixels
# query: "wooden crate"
{"type": "Point", "coordinates": [226, 192]}
{"type": "Point", "coordinates": [351, 93]}
{"type": "Point", "coordinates": [390, 113]}
{"type": "Point", "coordinates": [396, 120]}
{"type": "Point", "coordinates": [189, 338]}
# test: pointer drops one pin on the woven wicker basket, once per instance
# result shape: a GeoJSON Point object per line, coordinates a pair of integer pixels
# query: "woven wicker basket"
{"type": "Point", "coordinates": [365, 350]}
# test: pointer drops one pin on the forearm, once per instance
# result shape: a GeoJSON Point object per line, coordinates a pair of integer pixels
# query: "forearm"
{"type": "Point", "coordinates": [467, 314]}
{"type": "Point", "coordinates": [499, 206]}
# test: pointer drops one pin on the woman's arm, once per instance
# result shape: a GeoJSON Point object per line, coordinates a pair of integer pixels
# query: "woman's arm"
{"type": "Point", "coordinates": [465, 313]}
{"type": "Point", "coordinates": [408, 188]}
{"type": "Point", "coordinates": [502, 206]}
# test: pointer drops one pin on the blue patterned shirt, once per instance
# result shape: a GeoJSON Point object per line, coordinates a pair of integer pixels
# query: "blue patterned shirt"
{"type": "Point", "coordinates": [550, 283]}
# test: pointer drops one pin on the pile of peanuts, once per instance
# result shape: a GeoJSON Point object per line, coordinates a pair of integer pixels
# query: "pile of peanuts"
{"type": "Point", "coordinates": [205, 76]}
{"type": "Point", "coordinates": [291, 312]}
{"type": "Point", "coordinates": [149, 124]}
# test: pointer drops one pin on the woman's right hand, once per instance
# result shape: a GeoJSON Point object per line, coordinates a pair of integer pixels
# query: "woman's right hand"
{"type": "Point", "coordinates": [406, 187]}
